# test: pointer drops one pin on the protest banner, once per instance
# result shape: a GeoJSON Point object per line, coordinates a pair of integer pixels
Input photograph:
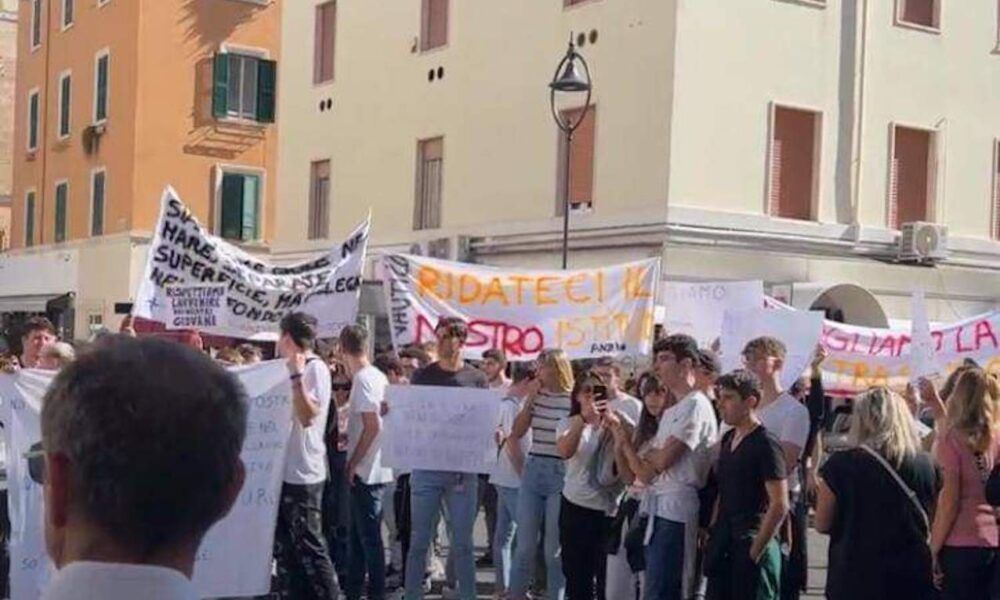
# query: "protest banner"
{"type": "Point", "coordinates": [188, 268]}
{"type": "Point", "coordinates": [862, 357]}
{"type": "Point", "coordinates": [922, 352]}
{"type": "Point", "coordinates": [697, 309]}
{"type": "Point", "coordinates": [234, 558]}
{"type": "Point", "coordinates": [441, 428]}
{"type": "Point", "coordinates": [798, 330]}
{"type": "Point", "coordinates": [602, 311]}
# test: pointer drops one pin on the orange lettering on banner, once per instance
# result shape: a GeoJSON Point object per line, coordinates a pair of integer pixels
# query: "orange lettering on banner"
{"type": "Point", "coordinates": [428, 280]}
{"type": "Point", "coordinates": [519, 281]}
{"type": "Point", "coordinates": [570, 295]}
{"type": "Point", "coordinates": [633, 284]}
{"type": "Point", "coordinates": [569, 335]}
{"type": "Point", "coordinates": [469, 289]}
{"type": "Point", "coordinates": [600, 287]}
{"type": "Point", "coordinates": [542, 288]}
{"type": "Point", "coordinates": [495, 288]}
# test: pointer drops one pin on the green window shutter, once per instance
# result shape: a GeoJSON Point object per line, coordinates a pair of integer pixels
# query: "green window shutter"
{"type": "Point", "coordinates": [33, 126]}
{"type": "Point", "coordinates": [97, 206]}
{"type": "Point", "coordinates": [64, 108]}
{"type": "Point", "coordinates": [267, 79]}
{"type": "Point", "coordinates": [232, 206]}
{"type": "Point", "coordinates": [251, 203]}
{"type": "Point", "coordinates": [220, 86]}
{"type": "Point", "coordinates": [101, 111]}
{"type": "Point", "coordinates": [29, 220]}
{"type": "Point", "coordinates": [61, 191]}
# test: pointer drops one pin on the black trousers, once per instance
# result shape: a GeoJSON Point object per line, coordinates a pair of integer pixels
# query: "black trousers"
{"type": "Point", "coordinates": [583, 534]}
{"type": "Point", "coordinates": [304, 567]}
{"type": "Point", "coordinates": [401, 506]}
{"type": "Point", "coordinates": [337, 511]}
{"type": "Point", "coordinates": [969, 573]}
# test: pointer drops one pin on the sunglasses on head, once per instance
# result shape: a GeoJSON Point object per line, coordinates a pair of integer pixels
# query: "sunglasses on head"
{"type": "Point", "coordinates": [341, 387]}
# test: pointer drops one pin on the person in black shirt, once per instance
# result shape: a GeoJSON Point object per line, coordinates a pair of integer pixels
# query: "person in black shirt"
{"type": "Point", "coordinates": [743, 559]}
{"type": "Point", "coordinates": [878, 535]}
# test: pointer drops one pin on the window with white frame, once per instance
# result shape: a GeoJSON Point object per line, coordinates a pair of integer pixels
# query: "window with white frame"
{"type": "Point", "coordinates": [62, 201]}
{"type": "Point", "coordinates": [98, 194]}
{"type": "Point", "coordinates": [36, 23]}
{"type": "Point", "coordinates": [65, 103]}
{"type": "Point", "coordinates": [33, 116]}
{"type": "Point", "coordinates": [924, 14]}
{"type": "Point", "coordinates": [29, 218]}
{"type": "Point", "coordinates": [244, 86]}
{"type": "Point", "coordinates": [67, 14]}
{"type": "Point", "coordinates": [239, 205]}
{"type": "Point", "coordinates": [102, 66]}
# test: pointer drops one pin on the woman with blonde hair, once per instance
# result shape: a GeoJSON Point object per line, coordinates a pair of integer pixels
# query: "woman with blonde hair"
{"type": "Point", "coordinates": [540, 494]}
{"type": "Point", "coordinates": [965, 536]}
{"type": "Point", "coordinates": [874, 501]}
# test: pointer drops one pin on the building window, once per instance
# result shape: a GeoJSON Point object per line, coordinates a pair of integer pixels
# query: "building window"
{"type": "Point", "coordinates": [911, 176]}
{"type": "Point", "coordinates": [244, 87]}
{"type": "Point", "coordinates": [29, 218]}
{"type": "Point", "coordinates": [36, 24]}
{"type": "Point", "coordinates": [581, 161]}
{"type": "Point", "coordinates": [95, 322]}
{"type": "Point", "coordinates": [433, 24]}
{"type": "Point", "coordinates": [102, 65]}
{"type": "Point", "coordinates": [430, 172]}
{"type": "Point", "coordinates": [319, 200]}
{"type": "Point", "coordinates": [67, 14]}
{"type": "Point", "coordinates": [33, 108]}
{"type": "Point", "coordinates": [239, 207]}
{"type": "Point", "coordinates": [98, 191]}
{"type": "Point", "coordinates": [922, 13]}
{"type": "Point", "coordinates": [794, 163]}
{"type": "Point", "coordinates": [62, 196]}
{"type": "Point", "coordinates": [326, 32]}
{"type": "Point", "coordinates": [65, 101]}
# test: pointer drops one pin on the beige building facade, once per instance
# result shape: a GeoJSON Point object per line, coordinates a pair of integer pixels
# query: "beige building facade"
{"type": "Point", "coordinates": [785, 140]}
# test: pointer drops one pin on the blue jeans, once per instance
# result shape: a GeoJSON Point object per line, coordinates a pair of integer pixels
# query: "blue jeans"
{"type": "Point", "coordinates": [459, 493]}
{"type": "Point", "coordinates": [665, 561]}
{"type": "Point", "coordinates": [538, 501]}
{"type": "Point", "coordinates": [367, 555]}
{"type": "Point", "coordinates": [503, 535]}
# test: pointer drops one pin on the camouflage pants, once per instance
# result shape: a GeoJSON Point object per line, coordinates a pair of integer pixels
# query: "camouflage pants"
{"type": "Point", "coordinates": [305, 571]}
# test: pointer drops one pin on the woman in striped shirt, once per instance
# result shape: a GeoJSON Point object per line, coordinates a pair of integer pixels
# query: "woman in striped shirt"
{"type": "Point", "coordinates": [542, 480]}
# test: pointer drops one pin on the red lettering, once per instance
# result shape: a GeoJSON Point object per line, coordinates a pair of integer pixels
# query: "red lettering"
{"type": "Point", "coordinates": [984, 330]}
{"type": "Point", "coordinates": [834, 339]}
{"type": "Point", "coordinates": [887, 344]}
{"type": "Point", "coordinates": [904, 341]}
{"type": "Point", "coordinates": [958, 341]}
{"type": "Point", "coordinates": [938, 338]}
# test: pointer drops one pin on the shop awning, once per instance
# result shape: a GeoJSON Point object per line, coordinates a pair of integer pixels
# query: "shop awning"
{"type": "Point", "coordinates": [32, 303]}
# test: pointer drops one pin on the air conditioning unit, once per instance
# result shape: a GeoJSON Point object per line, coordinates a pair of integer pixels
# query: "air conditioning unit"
{"type": "Point", "coordinates": [922, 242]}
{"type": "Point", "coordinates": [446, 248]}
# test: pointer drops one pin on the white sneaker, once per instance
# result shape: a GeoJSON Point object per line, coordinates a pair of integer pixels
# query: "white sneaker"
{"type": "Point", "coordinates": [437, 569]}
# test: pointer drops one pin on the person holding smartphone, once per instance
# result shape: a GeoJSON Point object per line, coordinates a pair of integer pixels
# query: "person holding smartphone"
{"type": "Point", "coordinates": [584, 517]}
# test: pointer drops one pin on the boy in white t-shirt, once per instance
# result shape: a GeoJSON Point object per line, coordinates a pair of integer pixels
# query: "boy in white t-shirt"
{"type": "Point", "coordinates": [304, 566]}
{"type": "Point", "coordinates": [506, 477]}
{"type": "Point", "coordinates": [365, 471]}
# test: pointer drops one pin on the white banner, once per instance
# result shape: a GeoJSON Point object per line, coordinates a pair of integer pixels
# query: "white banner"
{"type": "Point", "coordinates": [798, 330]}
{"type": "Point", "coordinates": [441, 428]}
{"type": "Point", "coordinates": [235, 557]}
{"type": "Point", "coordinates": [697, 309]}
{"type": "Point", "coordinates": [195, 280]}
{"type": "Point", "coordinates": [602, 311]}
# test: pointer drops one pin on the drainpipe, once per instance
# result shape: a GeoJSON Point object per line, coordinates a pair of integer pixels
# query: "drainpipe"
{"type": "Point", "coordinates": [859, 124]}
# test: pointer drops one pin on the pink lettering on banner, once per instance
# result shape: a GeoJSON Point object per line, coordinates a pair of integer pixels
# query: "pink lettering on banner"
{"type": "Point", "coordinates": [515, 341]}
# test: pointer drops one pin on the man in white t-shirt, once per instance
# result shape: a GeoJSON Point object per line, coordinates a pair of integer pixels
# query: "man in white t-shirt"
{"type": "Point", "coordinates": [304, 566]}
{"type": "Point", "coordinates": [682, 457]}
{"type": "Point", "coordinates": [785, 417]}
{"type": "Point", "coordinates": [365, 471]}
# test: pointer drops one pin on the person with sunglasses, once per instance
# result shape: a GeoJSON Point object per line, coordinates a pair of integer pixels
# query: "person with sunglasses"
{"type": "Point", "coordinates": [540, 496]}
{"type": "Point", "coordinates": [366, 474]}
{"type": "Point", "coordinates": [458, 492]}
{"type": "Point", "coordinates": [336, 492]}
{"type": "Point", "coordinates": [124, 517]}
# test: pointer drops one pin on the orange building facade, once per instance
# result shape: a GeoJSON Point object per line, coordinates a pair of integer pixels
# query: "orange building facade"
{"type": "Point", "coordinates": [117, 99]}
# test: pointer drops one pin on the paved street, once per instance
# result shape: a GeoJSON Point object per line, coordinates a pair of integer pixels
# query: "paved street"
{"type": "Point", "coordinates": [817, 570]}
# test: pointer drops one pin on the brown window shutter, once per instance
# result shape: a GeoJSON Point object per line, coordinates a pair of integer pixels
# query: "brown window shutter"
{"type": "Point", "coordinates": [326, 32]}
{"type": "Point", "coordinates": [913, 172]}
{"type": "Point", "coordinates": [793, 163]}
{"type": "Point", "coordinates": [581, 156]}
{"type": "Point", "coordinates": [920, 12]}
{"type": "Point", "coordinates": [434, 26]}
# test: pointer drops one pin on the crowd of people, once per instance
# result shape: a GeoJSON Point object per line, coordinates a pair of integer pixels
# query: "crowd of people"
{"type": "Point", "coordinates": [675, 482]}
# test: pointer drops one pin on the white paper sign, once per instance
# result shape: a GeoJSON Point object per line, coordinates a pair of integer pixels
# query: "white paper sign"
{"type": "Point", "coordinates": [441, 428]}
{"type": "Point", "coordinates": [235, 557]}
{"type": "Point", "coordinates": [697, 309]}
{"type": "Point", "coordinates": [798, 330]}
{"type": "Point", "coordinates": [257, 293]}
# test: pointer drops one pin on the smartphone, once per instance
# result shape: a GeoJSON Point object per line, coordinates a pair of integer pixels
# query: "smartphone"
{"type": "Point", "coordinates": [123, 308]}
{"type": "Point", "coordinates": [600, 393]}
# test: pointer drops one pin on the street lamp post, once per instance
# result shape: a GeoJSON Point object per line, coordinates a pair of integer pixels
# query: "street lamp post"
{"type": "Point", "coordinates": [568, 81]}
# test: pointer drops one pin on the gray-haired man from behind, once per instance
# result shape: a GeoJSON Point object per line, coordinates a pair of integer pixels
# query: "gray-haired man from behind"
{"type": "Point", "coordinates": [138, 464]}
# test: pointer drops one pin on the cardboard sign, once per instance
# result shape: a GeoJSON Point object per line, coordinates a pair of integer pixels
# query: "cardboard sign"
{"type": "Point", "coordinates": [187, 266]}
{"type": "Point", "coordinates": [603, 311]}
